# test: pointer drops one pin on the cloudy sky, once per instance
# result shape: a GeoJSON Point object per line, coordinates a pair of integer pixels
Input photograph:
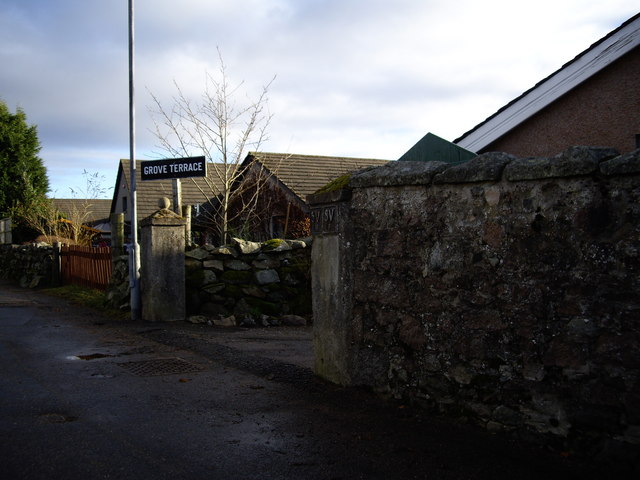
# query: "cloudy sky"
{"type": "Point", "coordinates": [362, 78]}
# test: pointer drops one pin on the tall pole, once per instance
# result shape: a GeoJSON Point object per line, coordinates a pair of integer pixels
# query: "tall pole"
{"type": "Point", "coordinates": [134, 252]}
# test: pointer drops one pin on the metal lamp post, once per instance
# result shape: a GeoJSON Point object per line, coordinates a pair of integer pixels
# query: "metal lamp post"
{"type": "Point", "coordinates": [134, 252]}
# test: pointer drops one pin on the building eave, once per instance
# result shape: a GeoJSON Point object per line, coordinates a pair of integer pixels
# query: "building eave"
{"type": "Point", "coordinates": [601, 54]}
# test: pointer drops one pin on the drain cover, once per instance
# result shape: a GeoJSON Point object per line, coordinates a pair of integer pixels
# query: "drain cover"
{"type": "Point", "coordinates": [160, 366]}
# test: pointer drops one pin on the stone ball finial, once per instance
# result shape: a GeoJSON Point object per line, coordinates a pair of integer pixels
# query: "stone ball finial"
{"type": "Point", "coordinates": [164, 203]}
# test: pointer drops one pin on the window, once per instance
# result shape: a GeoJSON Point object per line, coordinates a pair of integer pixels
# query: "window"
{"type": "Point", "coordinates": [124, 204]}
{"type": "Point", "coordinates": [637, 140]}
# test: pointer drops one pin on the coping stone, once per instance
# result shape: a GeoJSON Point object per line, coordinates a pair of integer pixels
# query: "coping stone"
{"type": "Point", "coordinates": [572, 162]}
{"type": "Point", "coordinates": [628, 163]}
{"type": "Point", "coordinates": [245, 246]}
{"type": "Point", "coordinates": [487, 167]}
{"type": "Point", "coordinates": [397, 174]}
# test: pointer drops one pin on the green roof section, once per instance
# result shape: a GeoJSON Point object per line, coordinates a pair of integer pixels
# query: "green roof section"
{"type": "Point", "coordinates": [432, 148]}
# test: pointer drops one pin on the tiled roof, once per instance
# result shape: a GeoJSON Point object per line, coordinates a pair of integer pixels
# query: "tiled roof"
{"type": "Point", "coordinates": [302, 174]}
{"type": "Point", "coordinates": [194, 190]}
{"type": "Point", "coordinates": [95, 209]}
{"type": "Point", "coordinates": [306, 174]}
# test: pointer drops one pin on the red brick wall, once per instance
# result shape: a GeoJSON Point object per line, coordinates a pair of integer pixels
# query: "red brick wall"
{"type": "Point", "coordinates": [603, 111]}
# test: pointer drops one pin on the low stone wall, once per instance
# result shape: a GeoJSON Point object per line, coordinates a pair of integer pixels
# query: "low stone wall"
{"type": "Point", "coordinates": [504, 291]}
{"type": "Point", "coordinates": [119, 291]}
{"type": "Point", "coordinates": [243, 283]}
{"type": "Point", "coordinates": [29, 266]}
{"type": "Point", "coordinates": [247, 282]}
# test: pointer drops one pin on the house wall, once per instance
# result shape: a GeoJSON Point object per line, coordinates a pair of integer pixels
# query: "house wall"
{"type": "Point", "coordinates": [503, 291]}
{"type": "Point", "coordinates": [604, 110]}
{"type": "Point", "coordinates": [274, 211]}
{"type": "Point", "coordinates": [120, 206]}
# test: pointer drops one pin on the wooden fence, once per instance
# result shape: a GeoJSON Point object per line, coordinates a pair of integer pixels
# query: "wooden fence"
{"type": "Point", "coordinates": [86, 266]}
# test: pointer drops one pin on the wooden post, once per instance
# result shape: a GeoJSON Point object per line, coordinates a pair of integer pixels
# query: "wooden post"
{"type": "Point", "coordinates": [186, 214]}
{"type": "Point", "coordinates": [177, 196]}
{"type": "Point", "coordinates": [5, 231]}
{"type": "Point", "coordinates": [286, 221]}
{"type": "Point", "coordinates": [117, 235]}
{"type": "Point", "coordinates": [56, 279]}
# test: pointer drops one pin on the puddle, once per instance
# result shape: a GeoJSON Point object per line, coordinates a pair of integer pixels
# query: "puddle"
{"type": "Point", "coordinates": [92, 356]}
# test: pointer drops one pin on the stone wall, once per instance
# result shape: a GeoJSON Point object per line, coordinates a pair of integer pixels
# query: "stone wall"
{"type": "Point", "coordinates": [248, 282]}
{"type": "Point", "coordinates": [504, 291]}
{"type": "Point", "coordinates": [243, 283]}
{"type": "Point", "coordinates": [29, 266]}
{"type": "Point", "coordinates": [119, 291]}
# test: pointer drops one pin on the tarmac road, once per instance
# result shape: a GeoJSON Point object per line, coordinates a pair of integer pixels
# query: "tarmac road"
{"type": "Point", "coordinates": [86, 397]}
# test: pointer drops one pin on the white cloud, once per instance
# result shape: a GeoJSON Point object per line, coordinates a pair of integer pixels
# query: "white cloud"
{"type": "Point", "coordinates": [354, 77]}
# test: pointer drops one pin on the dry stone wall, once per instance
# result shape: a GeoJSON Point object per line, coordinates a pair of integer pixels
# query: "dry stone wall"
{"type": "Point", "coordinates": [245, 283]}
{"type": "Point", "coordinates": [505, 291]}
{"type": "Point", "coordinates": [118, 292]}
{"type": "Point", "coordinates": [29, 266]}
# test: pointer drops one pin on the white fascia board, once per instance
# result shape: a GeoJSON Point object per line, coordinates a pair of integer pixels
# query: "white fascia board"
{"type": "Point", "coordinates": [549, 90]}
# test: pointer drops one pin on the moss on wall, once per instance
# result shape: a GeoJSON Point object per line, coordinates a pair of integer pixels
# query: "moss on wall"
{"type": "Point", "coordinates": [336, 184]}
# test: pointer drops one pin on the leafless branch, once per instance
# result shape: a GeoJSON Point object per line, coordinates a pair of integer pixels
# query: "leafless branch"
{"type": "Point", "coordinates": [220, 129]}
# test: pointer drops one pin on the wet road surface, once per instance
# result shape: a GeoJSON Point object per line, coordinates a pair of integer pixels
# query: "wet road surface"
{"type": "Point", "coordinates": [83, 396]}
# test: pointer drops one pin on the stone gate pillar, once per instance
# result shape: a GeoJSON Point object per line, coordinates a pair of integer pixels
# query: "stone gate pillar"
{"type": "Point", "coordinates": [332, 291]}
{"type": "Point", "coordinates": [162, 276]}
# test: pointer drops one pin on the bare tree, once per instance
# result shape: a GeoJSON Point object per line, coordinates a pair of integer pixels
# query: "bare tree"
{"type": "Point", "coordinates": [42, 216]}
{"type": "Point", "coordinates": [80, 212]}
{"type": "Point", "coordinates": [222, 130]}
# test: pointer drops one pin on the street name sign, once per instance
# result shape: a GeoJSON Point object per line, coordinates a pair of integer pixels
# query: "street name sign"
{"type": "Point", "coordinates": [173, 168]}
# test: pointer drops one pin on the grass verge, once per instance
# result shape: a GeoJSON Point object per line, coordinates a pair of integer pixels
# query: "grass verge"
{"type": "Point", "coordinates": [87, 297]}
